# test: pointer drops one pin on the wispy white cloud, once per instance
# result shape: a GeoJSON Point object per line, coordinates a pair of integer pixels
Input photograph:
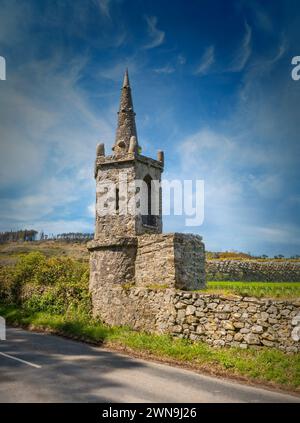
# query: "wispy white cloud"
{"type": "Point", "coordinates": [171, 68]}
{"type": "Point", "coordinates": [91, 209]}
{"type": "Point", "coordinates": [165, 69]}
{"type": "Point", "coordinates": [156, 35]}
{"type": "Point", "coordinates": [263, 66]}
{"type": "Point", "coordinates": [243, 53]}
{"type": "Point", "coordinates": [181, 59]}
{"type": "Point", "coordinates": [284, 233]}
{"type": "Point", "coordinates": [207, 61]}
{"type": "Point", "coordinates": [261, 18]}
{"type": "Point", "coordinates": [49, 201]}
{"type": "Point", "coordinates": [115, 71]}
{"type": "Point", "coordinates": [282, 47]}
{"type": "Point", "coordinates": [267, 186]}
{"type": "Point", "coordinates": [16, 17]}
{"type": "Point", "coordinates": [260, 69]}
{"type": "Point", "coordinates": [41, 160]}
{"type": "Point", "coordinates": [104, 6]}
{"type": "Point", "coordinates": [223, 191]}
{"type": "Point", "coordinates": [248, 169]}
{"type": "Point", "coordinates": [41, 202]}
{"type": "Point", "coordinates": [236, 199]}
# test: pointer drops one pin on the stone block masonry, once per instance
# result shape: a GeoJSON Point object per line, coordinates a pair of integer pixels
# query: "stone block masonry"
{"type": "Point", "coordinates": [134, 167]}
{"type": "Point", "coordinates": [217, 320]}
{"type": "Point", "coordinates": [165, 260]}
{"type": "Point", "coordinates": [111, 263]}
{"type": "Point", "coordinates": [170, 260]}
{"type": "Point", "coordinates": [142, 309]}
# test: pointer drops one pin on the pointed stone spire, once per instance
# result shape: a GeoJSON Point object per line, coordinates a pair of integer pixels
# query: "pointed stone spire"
{"type": "Point", "coordinates": [126, 120]}
{"type": "Point", "coordinates": [126, 79]}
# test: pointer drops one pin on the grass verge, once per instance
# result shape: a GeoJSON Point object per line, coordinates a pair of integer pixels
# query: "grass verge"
{"type": "Point", "coordinates": [267, 366]}
{"type": "Point", "coordinates": [282, 290]}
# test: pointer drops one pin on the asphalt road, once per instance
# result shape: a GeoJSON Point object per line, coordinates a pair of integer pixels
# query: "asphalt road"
{"type": "Point", "coordinates": [38, 367]}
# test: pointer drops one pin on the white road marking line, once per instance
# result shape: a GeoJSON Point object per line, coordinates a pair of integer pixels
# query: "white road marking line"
{"type": "Point", "coordinates": [22, 361]}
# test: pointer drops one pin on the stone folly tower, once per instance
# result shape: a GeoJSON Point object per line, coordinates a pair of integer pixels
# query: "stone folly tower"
{"type": "Point", "coordinates": [127, 182]}
{"type": "Point", "coordinates": [129, 249]}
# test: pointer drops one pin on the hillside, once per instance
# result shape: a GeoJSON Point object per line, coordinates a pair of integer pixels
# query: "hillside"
{"type": "Point", "coordinates": [228, 266]}
{"type": "Point", "coordinates": [11, 251]}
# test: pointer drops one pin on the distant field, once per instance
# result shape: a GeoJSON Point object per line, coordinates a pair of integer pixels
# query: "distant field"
{"type": "Point", "coordinates": [10, 252]}
{"type": "Point", "coordinates": [78, 250]}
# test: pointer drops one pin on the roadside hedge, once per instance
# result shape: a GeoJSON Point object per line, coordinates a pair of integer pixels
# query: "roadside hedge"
{"type": "Point", "coordinates": [53, 285]}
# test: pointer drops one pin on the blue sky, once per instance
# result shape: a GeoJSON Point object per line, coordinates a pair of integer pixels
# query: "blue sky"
{"type": "Point", "coordinates": [211, 85]}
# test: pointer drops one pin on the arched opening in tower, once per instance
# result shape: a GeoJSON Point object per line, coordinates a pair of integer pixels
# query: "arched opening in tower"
{"type": "Point", "coordinates": [149, 218]}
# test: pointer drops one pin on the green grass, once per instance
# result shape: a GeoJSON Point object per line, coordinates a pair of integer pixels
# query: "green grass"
{"type": "Point", "coordinates": [263, 365]}
{"type": "Point", "coordinates": [288, 290]}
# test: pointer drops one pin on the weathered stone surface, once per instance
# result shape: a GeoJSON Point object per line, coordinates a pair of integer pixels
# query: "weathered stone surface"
{"type": "Point", "coordinates": [267, 343]}
{"type": "Point", "coordinates": [151, 309]}
{"type": "Point", "coordinates": [177, 329]}
{"type": "Point", "coordinates": [111, 263]}
{"type": "Point", "coordinates": [190, 310]}
{"type": "Point", "coordinates": [212, 306]}
{"type": "Point", "coordinates": [192, 319]}
{"type": "Point", "coordinates": [238, 324]}
{"type": "Point", "coordinates": [228, 325]}
{"type": "Point", "coordinates": [177, 260]}
{"type": "Point", "coordinates": [238, 336]}
{"type": "Point", "coordinates": [253, 270]}
{"type": "Point", "coordinates": [252, 339]}
{"type": "Point", "coordinates": [124, 172]}
{"type": "Point", "coordinates": [257, 329]}
{"type": "Point", "coordinates": [126, 128]}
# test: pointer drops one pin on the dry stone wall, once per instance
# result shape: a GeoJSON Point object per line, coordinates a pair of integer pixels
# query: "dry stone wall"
{"type": "Point", "coordinates": [236, 321]}
{"type": "Point", "coordinates": [251, 270]}
{"type": "Point", "coordinates": [214, 319]}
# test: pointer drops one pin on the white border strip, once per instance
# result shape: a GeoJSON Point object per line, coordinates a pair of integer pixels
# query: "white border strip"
{"type": "Point", "coordinates": [22, 361]}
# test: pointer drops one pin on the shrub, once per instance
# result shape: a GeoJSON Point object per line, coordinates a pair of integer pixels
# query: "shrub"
{"type": "Point", "coordinates": [27, 266]}
{"type": "Point", "coordinates": [47, 302]}
{"type": "Point", "coordinates": [58, 270]}
{"type": "Point", "coordinates": [6, 283]}
{"type": "Point", "coordinates": [13, 278]}
{"type": "Point", "coordinates": [62, 298]}
{"type": "Point", "coordinates": [30, 280]}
